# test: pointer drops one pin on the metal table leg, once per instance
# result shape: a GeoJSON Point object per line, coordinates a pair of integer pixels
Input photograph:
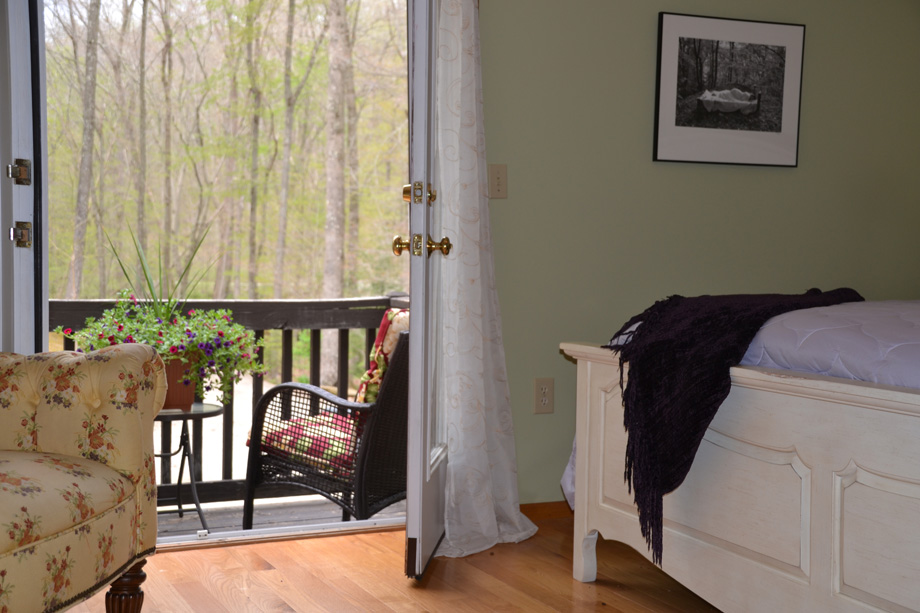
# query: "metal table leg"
{"type": "Point", "coordinates": [188, 457]}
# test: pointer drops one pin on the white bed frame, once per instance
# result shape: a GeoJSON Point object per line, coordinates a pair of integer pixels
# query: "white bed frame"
{"type": "Point", "coordinates": [804, 494]}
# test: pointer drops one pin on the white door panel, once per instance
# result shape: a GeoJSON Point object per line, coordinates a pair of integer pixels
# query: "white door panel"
{"type": "Point", "coordinates": [427, 449]}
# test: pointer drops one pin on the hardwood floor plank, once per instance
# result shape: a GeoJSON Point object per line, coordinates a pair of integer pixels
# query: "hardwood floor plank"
{"type": "Point", "coordinates": [528, 572]}
{"type": "Point", "coordinates": [623, 569]}
{"type": "Point", "coordinates": [315, 574]}
{"type": "Point", "coordinates": [365, 572]}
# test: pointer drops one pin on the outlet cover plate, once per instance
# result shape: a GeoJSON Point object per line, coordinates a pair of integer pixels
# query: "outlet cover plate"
{"type": "Point", "coordinates": [543, 395]}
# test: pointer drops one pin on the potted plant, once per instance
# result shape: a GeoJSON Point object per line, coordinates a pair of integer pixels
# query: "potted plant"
{"type": "Point", "coordinates": [202, 349]}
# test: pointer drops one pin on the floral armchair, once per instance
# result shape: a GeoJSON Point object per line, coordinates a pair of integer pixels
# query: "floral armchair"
{"type": "Point", "coordinates": [77, 476]}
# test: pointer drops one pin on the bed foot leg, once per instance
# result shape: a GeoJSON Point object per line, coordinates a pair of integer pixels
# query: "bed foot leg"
{"type": "Point", "coordinates": [584, 566]}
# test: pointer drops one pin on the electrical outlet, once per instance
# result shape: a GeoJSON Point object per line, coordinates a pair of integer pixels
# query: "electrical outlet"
{"type": "Point", "coordinates": [498, 181]}
{"type": "Point", "coordinates": [543, 395]}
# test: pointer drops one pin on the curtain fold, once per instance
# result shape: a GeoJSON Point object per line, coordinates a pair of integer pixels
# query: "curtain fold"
{"type": "Point", "coordinates": [482, 506]}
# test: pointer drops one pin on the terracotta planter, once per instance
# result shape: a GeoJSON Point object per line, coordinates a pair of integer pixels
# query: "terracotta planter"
{"type": "Point", "coordinates": [178, 395]}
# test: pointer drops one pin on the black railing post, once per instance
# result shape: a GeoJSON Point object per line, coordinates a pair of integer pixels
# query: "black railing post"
{"type": "Point", "coordinates": [166, 449]}
{"type": "Point", "coordinates": [287, 355]}
{"type": "Point", "coordinates": [343, 364]}
{"type": "Point", "coordinates": [197, 447]}
{"type": "Point", "coordinates": [315, 343]}
{"type": "Point", "coordinates": [227, 458]}
{"type": "Point", "coordinates": [258, 385]}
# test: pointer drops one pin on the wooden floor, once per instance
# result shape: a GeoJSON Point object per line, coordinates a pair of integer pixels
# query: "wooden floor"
{"type": "Point", "coordinates": [364, 572]}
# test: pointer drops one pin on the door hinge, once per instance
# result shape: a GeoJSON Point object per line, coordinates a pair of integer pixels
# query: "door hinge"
{"type": "Point", "coordinates": [21, 234]}
{"type": "Point", "coordinates": [20, 172]}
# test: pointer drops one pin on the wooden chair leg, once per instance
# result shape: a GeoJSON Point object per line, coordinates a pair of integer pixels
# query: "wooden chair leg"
{"type": "Point", "coordinates": [125, 594]}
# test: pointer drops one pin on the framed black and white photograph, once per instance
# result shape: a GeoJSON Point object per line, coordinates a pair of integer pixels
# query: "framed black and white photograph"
{"type": "Point", "coordinates": [729, 91]}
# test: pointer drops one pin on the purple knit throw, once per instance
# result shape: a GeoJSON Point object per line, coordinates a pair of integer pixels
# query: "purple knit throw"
{"type": "Point", "coordinates": [679, 358]}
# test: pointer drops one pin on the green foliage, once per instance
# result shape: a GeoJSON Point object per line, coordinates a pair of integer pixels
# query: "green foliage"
{"type": "Point", "coordinates": [161, 299]}
{"type": "Point", "coordinates": [217, 350]}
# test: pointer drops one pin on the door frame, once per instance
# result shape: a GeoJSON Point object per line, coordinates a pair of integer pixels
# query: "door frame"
{"type": "Point", "coordinates": [24, 319]}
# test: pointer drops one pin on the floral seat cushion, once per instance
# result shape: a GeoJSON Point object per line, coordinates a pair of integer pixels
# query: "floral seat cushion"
{"type": "Point", "coordinates": [56, 509]}
{"type": "Point", "coordinates": [326, 441]}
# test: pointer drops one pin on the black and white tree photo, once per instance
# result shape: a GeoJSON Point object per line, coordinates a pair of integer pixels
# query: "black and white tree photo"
{"type": "Point", "coordinates": [730, 85]}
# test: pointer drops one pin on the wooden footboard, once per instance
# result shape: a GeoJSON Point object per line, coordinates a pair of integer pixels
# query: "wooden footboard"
{"type": "Point", "coordinates": [804, 495]}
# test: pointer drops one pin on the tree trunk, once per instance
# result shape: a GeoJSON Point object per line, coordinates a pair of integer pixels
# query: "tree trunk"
{"type": "Point", "coordinates": [352, 187]}
{"type": "Point", "coordinates": [140, 172]}
{"type": "Point", "coordinates": [291, 95]}
{"type": "Point", "coordinates": [731, 62]}
{"type": "Point", "coordinates": [125, 110]}
{"type": "Point", "coordinates": [98, 214]}
{"type": "Point", "coordinates": [698, 57]}
{"type": "Point", "coordinates": [230, 203]}
{"type": "Point", "coordinates": [335, 177]}
{"type": "Point", "coordinates": [166, 76]}
{"type": "Point", "coordinates": [289, 104]}
{"type": "Point", "coordinates": [85, 180]}
{"type": "Point", "coordinates": [714, 65]}
{"type": "Point", "coordinates": [252, 58]}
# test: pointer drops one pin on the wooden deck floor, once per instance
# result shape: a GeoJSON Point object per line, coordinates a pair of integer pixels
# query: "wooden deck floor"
{"type": "Point", "coordinates": [364, 572]}
{"type": "Point", "coordinates": [277, 513]}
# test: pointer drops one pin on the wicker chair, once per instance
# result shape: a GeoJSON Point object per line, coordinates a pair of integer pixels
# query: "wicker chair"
{"type": "Point", "coordinates": [352, 453]}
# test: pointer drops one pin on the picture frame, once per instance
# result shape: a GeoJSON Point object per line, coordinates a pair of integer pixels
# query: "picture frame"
{"type": "Point", "coordinates": [728, 91]}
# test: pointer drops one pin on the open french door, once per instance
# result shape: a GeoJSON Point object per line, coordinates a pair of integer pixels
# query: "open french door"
{"type": "Point", "coordinates": [427, 447]}
{"type": "Point", "coordinates": [23, 306]}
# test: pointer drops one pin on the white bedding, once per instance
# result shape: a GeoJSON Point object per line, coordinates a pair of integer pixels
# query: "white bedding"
{"type": "Point", "coordinates": [877, 342]}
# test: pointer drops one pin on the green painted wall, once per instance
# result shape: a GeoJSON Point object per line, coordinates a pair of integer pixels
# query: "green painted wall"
{"type": "Point", "coordinates": [593, 231]}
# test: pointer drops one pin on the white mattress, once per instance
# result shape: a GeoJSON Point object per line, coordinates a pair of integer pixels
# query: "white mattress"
{"type": "Point", "coordinates": [878, 342]}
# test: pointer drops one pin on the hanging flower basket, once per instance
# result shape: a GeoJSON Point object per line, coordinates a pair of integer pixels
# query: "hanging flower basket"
{"type": "Point", "coordinates": [206, 348]}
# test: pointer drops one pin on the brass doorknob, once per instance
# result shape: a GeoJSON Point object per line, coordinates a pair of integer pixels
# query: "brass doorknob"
{"type": "Point", "coordinates": [444, 246]}
{"type": "Point", "coordinates": [399, 245]}
{"type": "Point", "coordinates": [407, 193]}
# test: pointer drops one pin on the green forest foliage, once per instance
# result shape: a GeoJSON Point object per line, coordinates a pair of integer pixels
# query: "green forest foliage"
{"type": "Point", "coordinates": [213, 75]}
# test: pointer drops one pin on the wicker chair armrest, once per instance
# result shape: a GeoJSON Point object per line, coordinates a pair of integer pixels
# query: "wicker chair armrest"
{"type": "Point", "coordinates": [342, 405]}
{"type": "Point", "coordinates": [329, 397]}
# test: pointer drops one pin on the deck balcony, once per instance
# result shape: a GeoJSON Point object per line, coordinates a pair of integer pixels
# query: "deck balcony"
{"type": "Point", "coordinates": [220, 442]}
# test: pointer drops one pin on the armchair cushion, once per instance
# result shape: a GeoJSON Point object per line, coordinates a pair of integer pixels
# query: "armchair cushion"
{"type": "Point", "coordinates": [325, 441]}
{"type": "Point", "coordinates": [77, 476]}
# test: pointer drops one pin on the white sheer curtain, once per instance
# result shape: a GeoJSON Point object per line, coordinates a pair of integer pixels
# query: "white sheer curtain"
{"type": "Point", "coordinates": [482, 506]}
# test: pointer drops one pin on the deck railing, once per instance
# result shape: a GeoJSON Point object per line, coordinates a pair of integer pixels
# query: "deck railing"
{"type": "Point", "coordinates": [286, 316]}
